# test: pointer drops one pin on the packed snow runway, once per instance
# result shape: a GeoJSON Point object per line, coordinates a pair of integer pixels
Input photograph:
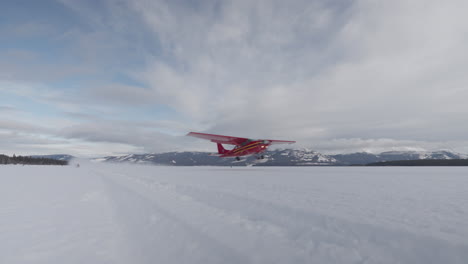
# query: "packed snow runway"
{"type": "Point", "coordinates": [101, 213]}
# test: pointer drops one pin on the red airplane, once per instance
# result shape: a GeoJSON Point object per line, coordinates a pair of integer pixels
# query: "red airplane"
{"type": "Point", "coordinates": [243, 146]}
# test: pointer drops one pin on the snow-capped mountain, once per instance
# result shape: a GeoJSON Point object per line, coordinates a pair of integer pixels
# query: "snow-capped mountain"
{"type": "Point", "coordinates": [286, 157]}
{"type": "Point", "coordinates": [366, 158]}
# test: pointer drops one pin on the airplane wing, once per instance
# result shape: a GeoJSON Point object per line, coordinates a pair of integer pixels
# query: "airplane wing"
{"type": "Point", "coordinates": [219, 138]}
{"type": "Point", "coordinates": [274, 142]}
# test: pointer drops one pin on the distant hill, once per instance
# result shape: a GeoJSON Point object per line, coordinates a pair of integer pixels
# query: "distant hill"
{"type": "Point", "coordinates": [366, 158]}
{"type": "Point", "coordinates": [285, 157]}
{"type": "Point", "coordinates": [427, 162]}
{"type": "Point", "coordinates": [272, 158]}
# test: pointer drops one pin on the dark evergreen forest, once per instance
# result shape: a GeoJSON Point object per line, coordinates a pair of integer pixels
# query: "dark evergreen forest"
{"type": "Point", "coordinates": [26, 160]}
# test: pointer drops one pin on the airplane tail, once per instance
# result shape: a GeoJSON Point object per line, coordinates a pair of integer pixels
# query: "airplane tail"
{"type": "Point", "coordinates": [221, 149]}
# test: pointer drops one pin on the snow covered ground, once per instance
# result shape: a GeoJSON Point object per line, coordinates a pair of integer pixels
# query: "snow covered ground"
{"type": "Point", "coordinates": [102, 213]}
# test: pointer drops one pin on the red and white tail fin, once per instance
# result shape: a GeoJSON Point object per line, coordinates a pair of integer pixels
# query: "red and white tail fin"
{"type": "Point", "coordinates": [221, 149]}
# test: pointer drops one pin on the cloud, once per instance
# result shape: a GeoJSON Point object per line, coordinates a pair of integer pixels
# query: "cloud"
{"type": "Point", "coordinates": [8, 109]}
{"type": "Point", "coordinates": [384, 69]}
{"type": "Point", "coordinates": [31, 144]}
{"type": "Point", "coordinates": [115, 93]}
{"type": "Point", "coordinates": [18, 126]}
{"type": "Point", "coordinates": [27, 30]}
{"type": "Point", "coordinates": [330, 74]}
{"type": "Point", "coordinates": [226, 59]}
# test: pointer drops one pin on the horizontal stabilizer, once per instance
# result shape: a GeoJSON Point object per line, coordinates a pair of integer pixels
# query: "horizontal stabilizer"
{"type": "Point", "coordinates": [273, 142]}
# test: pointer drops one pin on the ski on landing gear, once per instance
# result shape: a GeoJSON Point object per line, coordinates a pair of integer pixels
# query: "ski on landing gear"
{"type": "Point", "coordinates": [239, 159]}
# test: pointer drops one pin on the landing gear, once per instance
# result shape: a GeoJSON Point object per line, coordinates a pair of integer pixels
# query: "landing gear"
{"type": "Point", "coordinates": [237, 158]}
{"type": "Point", "coordinates": [260, 157]}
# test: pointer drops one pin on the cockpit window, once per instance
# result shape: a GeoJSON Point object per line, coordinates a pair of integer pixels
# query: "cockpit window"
{"type": "Point", "coordinates": [246, 142]}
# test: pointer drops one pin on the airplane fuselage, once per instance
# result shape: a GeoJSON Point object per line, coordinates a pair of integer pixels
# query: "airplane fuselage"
{"type": "Point", "coordinates": [250, 148]}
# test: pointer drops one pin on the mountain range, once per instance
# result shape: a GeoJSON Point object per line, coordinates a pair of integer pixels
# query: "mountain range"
{"type": "Point", "coordinates": [284, 157]}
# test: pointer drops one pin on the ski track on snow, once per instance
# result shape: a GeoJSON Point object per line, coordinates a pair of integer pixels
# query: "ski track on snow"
{"type": "Point", "coordinates": [102, 213]}
{"type": "Point", "coordinates": [55, 215]}
{"type": "Point", "coordinates": [217, 235]}
{"type": "Point", "coordinates": [216, 226]}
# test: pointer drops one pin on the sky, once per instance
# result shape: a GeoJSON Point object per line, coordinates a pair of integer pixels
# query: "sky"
{"type": "Point", "coordinates": [109, 77]}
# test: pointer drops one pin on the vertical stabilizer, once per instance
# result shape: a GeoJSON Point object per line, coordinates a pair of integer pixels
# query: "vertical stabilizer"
{"type": "Point", "coordinates": [221, 149]}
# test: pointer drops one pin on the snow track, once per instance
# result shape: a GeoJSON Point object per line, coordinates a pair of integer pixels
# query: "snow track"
{"type": "Point", "coordinates": [197, 233]}
{"type": "Point", "coordinates": [142, 214]}
{"type": "Point", "coordinates": [57, 215]}
{"type": "Point", "coordinates": [231, 227]}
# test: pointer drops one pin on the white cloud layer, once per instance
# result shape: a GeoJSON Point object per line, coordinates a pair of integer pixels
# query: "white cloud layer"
{"type": "Point", "coordinates": [333, 75]}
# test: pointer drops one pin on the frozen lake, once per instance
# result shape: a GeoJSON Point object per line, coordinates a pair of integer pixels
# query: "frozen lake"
{"type": "Point", "coordinates": [102, 213]}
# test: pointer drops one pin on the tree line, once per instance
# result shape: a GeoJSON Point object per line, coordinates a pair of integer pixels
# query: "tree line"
{"type": "Point", "coordinates": [27, 160]}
